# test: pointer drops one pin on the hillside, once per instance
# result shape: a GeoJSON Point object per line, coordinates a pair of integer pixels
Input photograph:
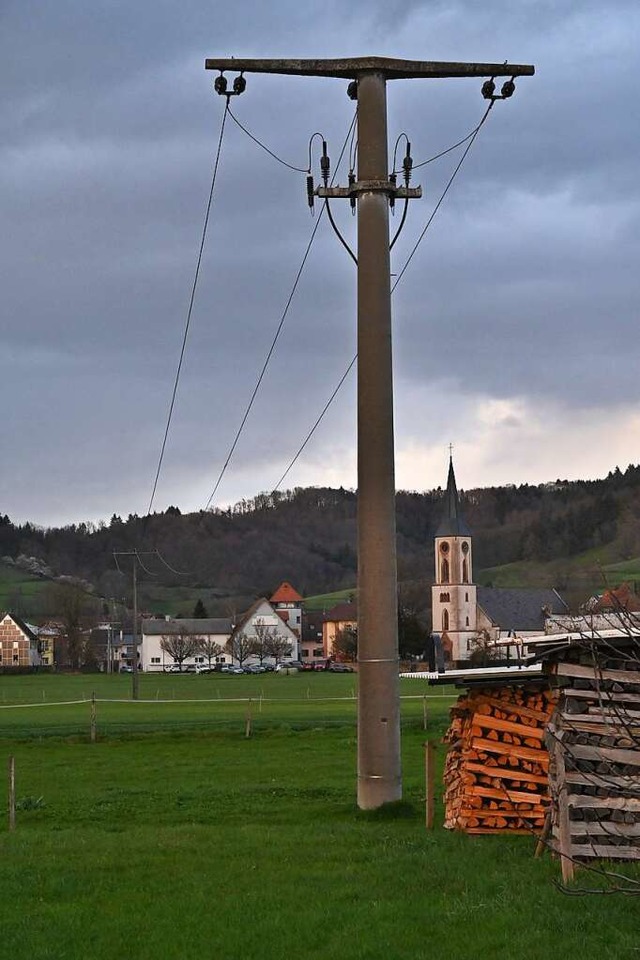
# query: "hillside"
{"type": "Point", "coordinates": [572, 535]}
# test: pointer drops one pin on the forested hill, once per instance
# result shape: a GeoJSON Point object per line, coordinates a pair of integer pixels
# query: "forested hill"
{"type": "Point", "coordinates": [308, 536]}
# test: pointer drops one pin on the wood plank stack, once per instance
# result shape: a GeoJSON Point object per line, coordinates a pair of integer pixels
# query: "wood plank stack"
{"type": "Point", "coordinates": [594, 745]}
{"type": "Point", "coordinates": [496, 770]}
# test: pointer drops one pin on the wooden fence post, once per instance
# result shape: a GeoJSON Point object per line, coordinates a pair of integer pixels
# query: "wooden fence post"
{"type": "Point", "coordinates": [12, 793]}
{"type": "Point", "coordinates": [93, 717]}
{"type": "Point", "coordinates": [247, 728]}
{"type": "Point", "coordinates": [425, 715]}
{"type": "Point", "coordinates": [430, 778]}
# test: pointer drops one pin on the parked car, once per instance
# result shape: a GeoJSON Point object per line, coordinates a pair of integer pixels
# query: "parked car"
{"type": "Point", "coordinates": [340, 668]}
{"type": "Point", "coordinates": [125, 668]}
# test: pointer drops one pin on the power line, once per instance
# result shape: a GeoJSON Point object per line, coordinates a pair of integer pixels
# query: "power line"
{"type": "Point", "coordinates": [312, 431]}
{"type": "Point", "coordinates": [443, 195]}
{"type": "Point", "coordinates": [276, 336]}
{"type": "Point", "coordinates": [443, 153]}
{"type": "Point", "coordinates": [263, 146]}
{"type": "Point", "coordinates": [471, 137]}
{"type": "Point", "coordinates": [190, 308]}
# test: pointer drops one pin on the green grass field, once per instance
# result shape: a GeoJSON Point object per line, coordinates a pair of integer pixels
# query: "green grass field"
{"type": "Point", "coordinates": [174, 836]}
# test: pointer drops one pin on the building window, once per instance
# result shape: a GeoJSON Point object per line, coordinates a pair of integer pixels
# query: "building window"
{"type": "Point", "coordinates": [445, 619]}
{"type": "Point", "coordinates": [318, 652]}
{"type": "Point", "coordinates": [16, 658]}
{"type": "Point", "coordinates": [444, 571]}
{"type": "Point", "coordinates": [467, 621]}
{"type": "Point", "coordinates": [444, 598]}
{"type": "Point", "coordinates": [465, 571]}
{"type": "Point", "coordinates": [466, 597]}
{"type": "Point", "coordinates": [155, 659]}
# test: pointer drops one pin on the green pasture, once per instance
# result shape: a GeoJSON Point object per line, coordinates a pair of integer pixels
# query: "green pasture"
{"type": "Point", "coordinates": [325, 601]}
{"type": "Point", "coordinates": [41, 705]}
{"type": "Point", "coordinates": [175, 836]}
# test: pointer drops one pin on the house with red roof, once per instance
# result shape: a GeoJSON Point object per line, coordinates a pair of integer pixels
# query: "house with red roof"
{"type": "Point", "coordinates": [287, 603]}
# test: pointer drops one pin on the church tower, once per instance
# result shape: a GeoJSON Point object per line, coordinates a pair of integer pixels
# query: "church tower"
{"type": "Point", "coordinates": [454, 600]}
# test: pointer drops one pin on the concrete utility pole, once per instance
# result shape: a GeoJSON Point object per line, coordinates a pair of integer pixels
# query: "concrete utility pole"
{"type": "Point", "coordinates": [379, 770]}
{"type": "Point", "coordinates": [135, 674]}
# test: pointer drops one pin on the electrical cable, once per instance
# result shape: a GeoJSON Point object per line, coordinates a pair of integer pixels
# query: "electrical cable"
{"type": "Point", "coordinates": [146, 570]}
{"type": "Point", "coordinates": [471, 139]}
{"type": "Point", "coordinates": [190, 308]}
{"type": "Point", "coordinates": [262, 145]}
{"type": "Point", "coordinates": [277, 334]}
{"type": "Point", "coordinates": [312, 431]}
{"type": "Point", "coordinates": [443, 195]}
{"type": "Point", "coordinates": [443, 153]}
{"type": "Point", "coordinates": [338, 234]}
{"type": "Point", "coordinates": [180, 573]}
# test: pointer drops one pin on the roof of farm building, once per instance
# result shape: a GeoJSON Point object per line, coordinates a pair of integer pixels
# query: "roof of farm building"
{"type": "Point", "coordinates": [286, 594]}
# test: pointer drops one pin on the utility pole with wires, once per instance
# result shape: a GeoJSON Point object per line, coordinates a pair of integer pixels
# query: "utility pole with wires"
{"type": "Point", "coordinates": [135, 556]}
{"type": "Point", "coordinates": [379, 768]}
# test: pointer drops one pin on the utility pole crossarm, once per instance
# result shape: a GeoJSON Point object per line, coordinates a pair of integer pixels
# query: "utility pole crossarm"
{"type": "Point", "coordinates": [352, 68]}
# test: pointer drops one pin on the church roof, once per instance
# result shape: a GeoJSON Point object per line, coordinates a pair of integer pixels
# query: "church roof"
{"type": "Point", "coordinates": [452, 523]}
{"type": "Point", "coordinates": [286, 594]}
{"type": "Point", "coordinates": [513, 608]}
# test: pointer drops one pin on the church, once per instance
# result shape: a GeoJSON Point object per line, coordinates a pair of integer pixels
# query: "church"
{"type": "Point", "coordinates": [465, 615]}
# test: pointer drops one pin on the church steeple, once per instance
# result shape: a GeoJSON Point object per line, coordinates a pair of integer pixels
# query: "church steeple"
{"type": "Point", "coordinates": [452, 523]}
{"type": "Point", "coordinates": [453, 594]}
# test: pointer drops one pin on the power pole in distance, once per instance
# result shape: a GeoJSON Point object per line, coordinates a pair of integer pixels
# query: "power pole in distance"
{"type": "Point", "coordinates": [379, 768]}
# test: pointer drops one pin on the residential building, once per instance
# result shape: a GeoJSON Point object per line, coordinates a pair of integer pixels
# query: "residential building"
{"type": "Point", "coordinates": [262, 635]}
{"type": "Point", "coordinates": [342, 617]}
{"type": "Point", "coordinates": [205, 639]}
{"type": "Point", "coordinates": [287, 603]}
{"type": "Point", "coordinates": [18, 643]}
{"type": "Point", "coordinates": [311, 643]}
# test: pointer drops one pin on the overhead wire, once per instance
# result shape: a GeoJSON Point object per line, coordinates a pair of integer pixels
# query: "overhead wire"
{"type": "Point", "coordinates": [190, 307]}
{"type": "Point", "coordinates": [311, 432]}
{"type": "Point", "coordinates": [471, 138]}
{"type": "Point", "coordinates": [443, 195]}
{"type": "Point", "coordinates": [276, 335]}
{"type": "Point", "coordinates": [262, 145]}
{"type": "Point", "coordinates": [450, 149]}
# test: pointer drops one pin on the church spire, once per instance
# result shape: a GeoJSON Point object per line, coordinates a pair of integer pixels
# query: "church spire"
{"type": "Point", "coordinates": [452, 523]}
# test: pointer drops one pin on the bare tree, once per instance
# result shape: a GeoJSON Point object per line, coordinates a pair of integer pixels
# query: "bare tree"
{"type": "Point", "coordinates": [209, 648]}
{"type": "Point", "coordinates": [179, 646]}
{"type": "Point", "coordinates": [278, 647]}
{"type": "Point", "coordinates": [240, 646]}
{"type": "Point", "coordinates": [263, 640]}
{"type": "Point", "coordinates": [76, 610]}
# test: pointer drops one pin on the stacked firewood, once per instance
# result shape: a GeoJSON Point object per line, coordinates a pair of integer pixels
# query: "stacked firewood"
{"type": "Point", "coordinates": [594, 743]}
{"type": "Point", "coordinates": [496, 770]}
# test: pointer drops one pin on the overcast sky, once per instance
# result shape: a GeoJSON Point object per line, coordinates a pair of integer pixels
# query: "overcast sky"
{"type": "Point", "coordinates": [515, 325]}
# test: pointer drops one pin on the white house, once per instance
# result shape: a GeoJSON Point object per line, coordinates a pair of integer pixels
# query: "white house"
{"type": "Point", "coordinates": [160, 637]}
{"type": "Point", "coordinates": [261, 626]}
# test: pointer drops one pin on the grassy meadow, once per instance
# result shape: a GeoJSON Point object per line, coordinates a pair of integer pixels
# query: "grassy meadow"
{"type": "Point", "coordinates": [175, 836]}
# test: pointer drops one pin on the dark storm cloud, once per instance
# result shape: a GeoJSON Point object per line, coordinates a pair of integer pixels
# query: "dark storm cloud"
{"type": "Point", "coordinates": [524, 284]}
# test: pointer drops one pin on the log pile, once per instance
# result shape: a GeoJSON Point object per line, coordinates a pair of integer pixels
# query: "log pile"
{"type": "Point", "coordinates": [496, 770]}
{"type": "Point", "coordinates": [594, 745]}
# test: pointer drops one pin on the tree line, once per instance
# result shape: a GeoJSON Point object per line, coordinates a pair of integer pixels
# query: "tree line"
{"type": "Point", "coordinates": [308, 536]}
